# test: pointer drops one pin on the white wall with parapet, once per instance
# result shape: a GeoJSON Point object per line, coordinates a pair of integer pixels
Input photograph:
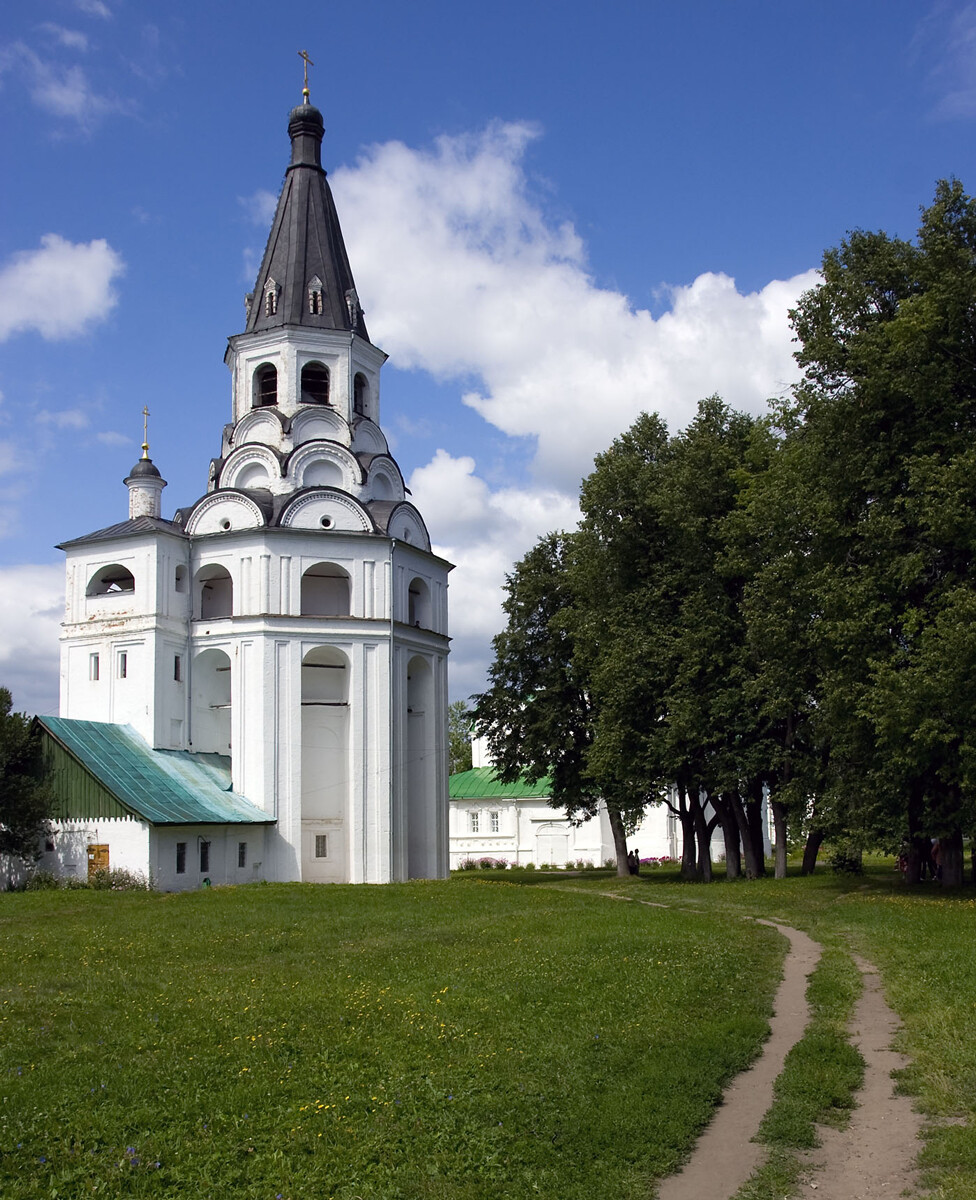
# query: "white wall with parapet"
{"type": "Point", "coordinates": [146, 625]}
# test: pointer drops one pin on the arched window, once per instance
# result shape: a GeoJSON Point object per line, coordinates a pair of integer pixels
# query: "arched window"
{"type": "Point", "coordinates": [108, 581]}
{"type": "Point", "coordinates": [265, 386]}
{"type": "Point", "coordinates": [315, 298]}
{"type": "Point", "coordinates": [360, 394]}
{"type": "Point", "coordinates": [315, 384]}
{"type": "Point", "coordinates": [419, 604]}
{"type": "Point", "coordinates": [325, 591]}
{"type": "Point", "coordinates": [216, 592]}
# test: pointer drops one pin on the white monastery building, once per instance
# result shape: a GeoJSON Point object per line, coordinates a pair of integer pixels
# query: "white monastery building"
{"type": "Point", "coordinates": [516, 823]}
{"type": "Point", "coordinates": [257, 687]}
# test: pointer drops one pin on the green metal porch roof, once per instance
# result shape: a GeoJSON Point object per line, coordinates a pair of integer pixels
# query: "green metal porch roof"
{"type": "Point", "coordinates": [481, 783]}
{"type": "Point", "coordinates": [164, 787]}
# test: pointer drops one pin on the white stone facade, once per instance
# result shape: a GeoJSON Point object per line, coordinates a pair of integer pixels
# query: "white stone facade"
{"type": "Point", "coordinates": [293, 618]}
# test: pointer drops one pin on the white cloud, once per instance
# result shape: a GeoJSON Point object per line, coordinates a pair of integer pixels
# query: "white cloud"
{"type": "Point", "coordinates": [946, 41]}
{"type": "Point", "coordinates": [59, 290]}
{"type": "Point", "coordinates": [31, 611]}
{"type": "Point", "coordinates": [109, 438]}
{"type": "Point", "coordinates": [56, 88]}
{"type": "Point", "coordinates": [259, 207]}
{"type": "Point", "coordinates": [68, 418]}
{"type": "Point", "coordinates": [94, 8]}
{"type": "Point", "coordinates": [10, 460]}
{"type": "Point", "coordinates": [483, 532]}
{"type": "Point", "coordinates": [73, 39]}
{"type": "Point", "coordinates": [464, 276]}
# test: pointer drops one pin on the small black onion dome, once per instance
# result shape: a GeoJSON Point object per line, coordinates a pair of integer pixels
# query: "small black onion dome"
{"type": "Point", "coordinates": [144, 468]}
{"type": "Point", "coordinates": [306, 129]}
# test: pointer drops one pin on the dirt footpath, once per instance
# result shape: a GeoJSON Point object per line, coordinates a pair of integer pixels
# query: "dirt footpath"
{"type": "Point", "coordinates": [872, 1159]}
{"type": "Point", "coordinates": [725, 1155]}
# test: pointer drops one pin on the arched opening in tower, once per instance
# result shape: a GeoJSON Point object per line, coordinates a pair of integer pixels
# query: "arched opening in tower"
{"type": "Point", "coordinates": [325, 763]}
{"type": "Point", "coordinates": [210, 703]}
{"type": "Point", "coordinates": [420, 774]}
{"type": "Point", "coordinates": [325, 591]}
{"type": "Point", "coordinates": [215, 592]}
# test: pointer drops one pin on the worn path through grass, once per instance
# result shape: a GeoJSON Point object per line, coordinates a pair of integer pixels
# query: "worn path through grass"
{"type": "Point", "coordinates": [921, 942]}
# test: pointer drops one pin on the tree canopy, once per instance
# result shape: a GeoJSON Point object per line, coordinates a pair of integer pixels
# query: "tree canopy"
{"type": "Point", "coordinates": [781, 607]}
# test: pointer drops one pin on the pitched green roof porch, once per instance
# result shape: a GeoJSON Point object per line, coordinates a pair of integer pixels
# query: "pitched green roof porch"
{"type": "Point", "coordinates": [101, 771]}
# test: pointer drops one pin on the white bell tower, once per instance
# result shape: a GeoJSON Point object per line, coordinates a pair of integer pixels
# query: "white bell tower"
{"type": "Point", "coordinates": [294, 617]}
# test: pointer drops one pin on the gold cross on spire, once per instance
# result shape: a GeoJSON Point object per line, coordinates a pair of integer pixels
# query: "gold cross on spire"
{"type": "Point", "coordinates": [145, 432]}
{"type": "Point", "coordinates": [303, 54]}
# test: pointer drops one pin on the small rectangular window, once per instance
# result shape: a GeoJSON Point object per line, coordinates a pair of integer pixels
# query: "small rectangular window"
{"type": "Point", "coordinates": [493, 822]}
{"type": "Point", "coordinates": [242, 854]}
{"type": "Point", "coordinates": [475, 822]}
{"type": "Point", "coordinates": [321, 845]}
{"type": "Point", "coordinates": [123, 664]}
{"type": "Point", "coordinates": [204, 857]}
{"type": "Point", "coordinates": [93, 666]}
{"type": "Point", "coordinates": [181, 858]}
{"type": "Point", "coordinates": [49, 846]}
{"type": "Point", "coordinates": [178, 668]}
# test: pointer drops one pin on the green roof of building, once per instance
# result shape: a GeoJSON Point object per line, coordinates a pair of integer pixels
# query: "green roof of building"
{"type": "Point", "coordinates": [481, 783]}
{"type": "Point", "coordinates": [163, 787]}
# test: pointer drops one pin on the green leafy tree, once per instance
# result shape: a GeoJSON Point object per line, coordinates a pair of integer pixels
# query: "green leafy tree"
{"type": "Point", "coordinates": [537, 712]}
{"type": "Point", "coordinates": [884, 426]}
{"type": "Point", "coordinates": [25, 798]}
{"type": "Point", "coordinates": [459, 721]}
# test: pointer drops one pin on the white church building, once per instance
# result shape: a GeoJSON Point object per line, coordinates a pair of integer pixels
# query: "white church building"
{"type": "Point", "coordinates": [256, 688]}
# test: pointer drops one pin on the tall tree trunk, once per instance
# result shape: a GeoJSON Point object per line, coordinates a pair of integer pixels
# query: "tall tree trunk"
{"type": "Point", "coordinates": [952, 858]}
{"type": "Point", "coordinates": [619, 839]}
{"type": "Point", "coordinates": [689, 856]}
{"type": "Point", "coordinates": [919, 852]}
{"type": "Point", "coordinates": [750, 849]}
{"type": "Point", "coordinates": [779, 825]}
{"type": "Point", "coordinates": [810, 851]}
{"type": "Point", "coordinates": [730, 834]}
{"type": "Point", "coordinates": [754, 808]}
{"type": "Point", "coordinates": [703, 837]}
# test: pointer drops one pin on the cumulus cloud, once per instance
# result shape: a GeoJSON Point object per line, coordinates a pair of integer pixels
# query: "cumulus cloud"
{"type": "Point", "coordinates": [31, 611]}
{"type": "Point", "coordinates": [59, 290]}
{"type": "Point", "coordinates": [466, 277]}
{"type": "Point", "coordinates": [483, 532]}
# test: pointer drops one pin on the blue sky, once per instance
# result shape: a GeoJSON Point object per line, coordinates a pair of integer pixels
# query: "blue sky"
{"type": "Point", "coordinates": [556, 215]}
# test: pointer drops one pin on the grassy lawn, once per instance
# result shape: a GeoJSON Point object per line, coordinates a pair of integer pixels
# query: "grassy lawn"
{"type": "Point", "coordinates": [461, 1039]}
{"type": "Point", "coordinates": [922, 940]}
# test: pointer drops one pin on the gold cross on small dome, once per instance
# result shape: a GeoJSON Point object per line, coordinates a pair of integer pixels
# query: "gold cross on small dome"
{"type": "Point", "coordinates": [303, 54]}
